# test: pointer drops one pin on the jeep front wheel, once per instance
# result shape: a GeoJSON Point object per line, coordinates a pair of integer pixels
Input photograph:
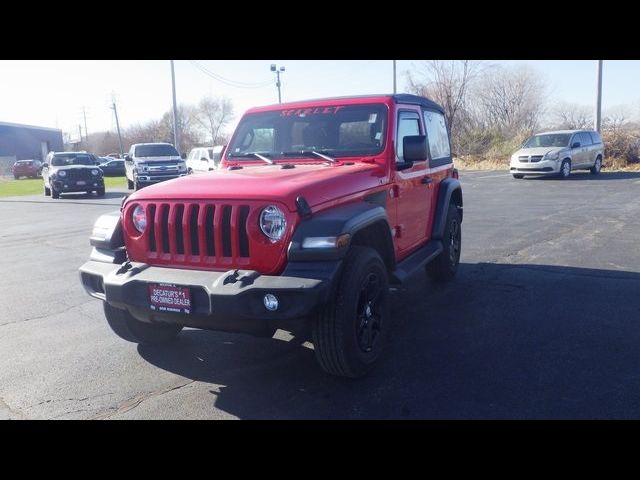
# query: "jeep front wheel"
{"type": "Point", "coordinates": [444, 267]}
{"type": "Point", "coordinates": [125, 326]}
{"type": "Point", "coordinates": [351, 331]}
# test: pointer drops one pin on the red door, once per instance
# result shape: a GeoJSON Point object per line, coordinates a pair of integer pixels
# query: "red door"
{"type": "Point", "coordinates": [412, 187]}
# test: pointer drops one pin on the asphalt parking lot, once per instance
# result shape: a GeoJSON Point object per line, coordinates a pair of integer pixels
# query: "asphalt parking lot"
{"type": "Point", "coordinates": [541, 322]}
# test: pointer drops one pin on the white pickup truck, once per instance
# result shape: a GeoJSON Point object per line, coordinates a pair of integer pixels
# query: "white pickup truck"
{"type": "Point", "coordinates": [148, 163]}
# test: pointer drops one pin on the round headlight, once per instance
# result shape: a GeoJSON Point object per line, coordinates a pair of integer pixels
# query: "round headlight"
{"type": "Point", "coordinates": [94, 172]}
{"type": "Point", "coordinates": [273, 222]}
{"type": "Point", "coordinates": [62, 173]}
{"type": "Point", "coordinates": [139, 218]}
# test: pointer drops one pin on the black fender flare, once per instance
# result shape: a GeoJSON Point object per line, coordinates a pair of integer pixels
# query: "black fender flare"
{"type": "Point", "coordinates": [448, 188]}
{"type": "Point", "coordinates": [345, 219]}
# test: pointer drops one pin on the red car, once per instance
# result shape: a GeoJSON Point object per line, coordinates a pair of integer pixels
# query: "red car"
{"type": "Point", "coordinates": [27, 168]}
{"type": "Point", "coordinates": [317, 210]}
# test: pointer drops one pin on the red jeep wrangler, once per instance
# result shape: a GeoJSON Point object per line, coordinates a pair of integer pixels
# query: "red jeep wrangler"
{"type": "Point", "coordinates": [318, 207]}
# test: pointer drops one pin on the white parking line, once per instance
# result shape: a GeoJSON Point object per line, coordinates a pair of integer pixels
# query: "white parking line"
{"type": "Point", "coordinates": [491, 176]}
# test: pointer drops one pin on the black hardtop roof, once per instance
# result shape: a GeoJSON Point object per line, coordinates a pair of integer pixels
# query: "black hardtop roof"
{"type": "Point", "coordinates": [417, 100]}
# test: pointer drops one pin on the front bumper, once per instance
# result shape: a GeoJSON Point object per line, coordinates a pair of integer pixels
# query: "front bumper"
{"type": "Point", "coordinates": [64, 186]}
{"type": "Point", "coordinates": [545, 167]}
{"type": "Point", "coordinates": [147, 179]}
{"type": "Point", "coordinates": [229, 301]}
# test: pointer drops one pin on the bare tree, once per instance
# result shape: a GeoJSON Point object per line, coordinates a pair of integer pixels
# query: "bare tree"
{"type": "Point", "coordinates": [615, 118]}
{"type": "Point", "coordinates": [572, 116]}
{"type": "Point", "coordinates": [510, 100]}
{"type": "Point", "coordinates": [446, 82]}
{"type": "Point", "coordinates": [213, 114]}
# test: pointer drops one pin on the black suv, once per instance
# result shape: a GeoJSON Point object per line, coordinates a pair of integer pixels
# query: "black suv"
{"type": "Point", "coordinates": [66, 172]}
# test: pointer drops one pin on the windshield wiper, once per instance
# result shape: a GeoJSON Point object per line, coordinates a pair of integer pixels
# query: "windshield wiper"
{"type": "Point", "coordinates": [261, 156]}
{"type": "Point", "coordinates": [312, 152]}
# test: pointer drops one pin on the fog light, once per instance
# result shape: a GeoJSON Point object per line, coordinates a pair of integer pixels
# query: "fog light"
{"type": "Point", "coordinates": [270, 302]}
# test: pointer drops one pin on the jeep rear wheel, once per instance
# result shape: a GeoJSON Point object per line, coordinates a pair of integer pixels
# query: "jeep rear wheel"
{"type": "Point", "coordinates": [129, 184]}
{"type": "Point", "coordinates": [444, 267]}
{"type": "Point", "coordinates": [54, 193]}
{"type": "Point", "coordinates": [132, 330]}
{"type": "Point", "coordinates": [351, 331]}
{"type": "Point", "coordinates": [47, 191]}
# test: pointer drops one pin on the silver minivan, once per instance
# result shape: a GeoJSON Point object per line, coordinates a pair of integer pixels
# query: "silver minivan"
{"type": "Point", "coordinates": [559, 153]}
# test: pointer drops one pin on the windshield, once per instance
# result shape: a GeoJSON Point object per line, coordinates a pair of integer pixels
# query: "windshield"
{"type": "Point", "coordinates": [156, 151]}
{"type": "Point", "coordinates": [548, 140]}
{"type": "Point", "coordinates": [339, 130]}
{"type": "Point", "coordinates": [72, 159]}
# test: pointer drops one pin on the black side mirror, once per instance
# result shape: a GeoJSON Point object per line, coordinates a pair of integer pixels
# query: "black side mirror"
{"type": "Point", "coordinates": [414, 148]}
{"type": "Point", "coordinates": [45, 165]}
{"type": "Point", "coordinates": [575, 145]}
{"type": "Point", "coordinates": [127, 158]}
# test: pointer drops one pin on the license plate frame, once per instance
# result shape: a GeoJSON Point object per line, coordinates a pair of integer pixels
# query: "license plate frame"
{"type": "Point", "coordinates": [81, 183]}
{"type": "Point", "coordinates": [169, 297]}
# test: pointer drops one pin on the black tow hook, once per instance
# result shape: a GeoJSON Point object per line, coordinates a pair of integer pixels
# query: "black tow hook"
{"type": "Point", "coordinates": [126, 266]}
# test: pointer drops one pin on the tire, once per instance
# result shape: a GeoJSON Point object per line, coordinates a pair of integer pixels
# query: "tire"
{"type": "Point", "coordinates": [132, 330]}
{"type": "Point", "coordinates": [595, 170]}
{"type": "Point", "coordinates": [190, 171]}
{"type": "Point", "coordinates": [565, 169]}
{"type": "Point", "coordinates": [100, 192]}
{"type": "Point", "coordinates": [444, 267]}
{"type": "Point", "coordinates": [350, 332]}
{"type": "Point", "coordinates": [54, 193]}
{"type": "Point", "coordinates": [518, 176]}
{"type": "Point", "coordinates": [129, 184]}
{"type": "Point", "coordinates": [47, 191]}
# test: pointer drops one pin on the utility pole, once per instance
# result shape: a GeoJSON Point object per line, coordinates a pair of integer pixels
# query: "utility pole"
{"type": "Point", "coordinates": [175, 109]}
{"type": "Point", "coordinates": [80, 132]}
{"type": "Point", "coordinates": [394, 77]}
{"type": "Point", "coordinates": [599, 98]}
{"type": "Point", "coordinates": [277, 71]}
{"type": "Point", "coordinates": [86, 132]}
{"type": "Point", "coordinates": [115, 111]}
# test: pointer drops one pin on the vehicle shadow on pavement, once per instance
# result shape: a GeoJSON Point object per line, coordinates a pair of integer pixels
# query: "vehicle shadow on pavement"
{"type": "Point", "coordinates": [582, 176]}
{"type": "Point", "coordinates": [501, 341]}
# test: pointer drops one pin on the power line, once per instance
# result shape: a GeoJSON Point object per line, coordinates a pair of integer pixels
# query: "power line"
{"type": "Point", "coordinates": [226, 81]}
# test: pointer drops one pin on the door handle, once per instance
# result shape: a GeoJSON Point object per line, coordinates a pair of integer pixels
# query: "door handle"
{"type": "Point", "coordinates": [426, 180]}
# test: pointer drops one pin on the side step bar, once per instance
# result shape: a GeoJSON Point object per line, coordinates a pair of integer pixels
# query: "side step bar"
{"type": "Point", "coordinates": [416, 261]}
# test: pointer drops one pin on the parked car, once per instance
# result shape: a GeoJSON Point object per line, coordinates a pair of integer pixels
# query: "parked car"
{"type": "Point", "coordinates": [317, 209]}
{"type": "Point", "coordinates": [27, 168]}
{"type": "Point", "coordinates": [112, 167]}
{"type": "Point", "coordinates": [113, 155]}
{"type": "Point", "coordinates": [559, 153]}
{"type": "Point", "coordinates": [204, 159]}
{"type": "Point", "coordinates": [148, 163]}
{"type": "Point", "coordinates": [66, 172]}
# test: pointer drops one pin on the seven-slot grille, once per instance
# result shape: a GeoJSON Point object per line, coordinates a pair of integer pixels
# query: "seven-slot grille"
{"type": "Point", "coordinates": [77, 174]}
{"type": "Point", "coordinates": [210, 233]}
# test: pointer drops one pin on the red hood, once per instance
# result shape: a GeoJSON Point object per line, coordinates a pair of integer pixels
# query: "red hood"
{"type": "Point", "coordinates": [318, 183]}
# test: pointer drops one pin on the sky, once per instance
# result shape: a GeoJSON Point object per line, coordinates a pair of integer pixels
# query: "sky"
{"type": "Point", "coordinates": [52, 93]}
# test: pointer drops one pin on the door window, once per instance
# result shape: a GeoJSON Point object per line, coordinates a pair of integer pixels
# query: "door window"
{"type": "Point", "coordinates": [408, 125]}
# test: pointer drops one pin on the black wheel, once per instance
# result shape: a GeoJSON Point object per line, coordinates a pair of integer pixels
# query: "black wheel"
{"type": "Point", "coordinates": [132, 330]}
{"type": "Point", "coordinates": [350, 332]}
{"type": "Point", "coordinates": [518, 176]}
{"type": "Point", "coordinates": [444, 267]}
{"type": "Point", "coordinates": [54, 193]}
{"type": "Point", "coordinates": [189, 171]}
{"type": "Point", "coordinates": [136, 185]}
{"type": "Point", "coordinates": [565, 169]}
{"type": "Point", "coordinates": [596, 166]}
{"type": "Point", "coordinates": [47, 191]}
{"type": "Point", "coordinates": [129, 184]}
{"type": "Point", "coordinates": [100, 192]}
